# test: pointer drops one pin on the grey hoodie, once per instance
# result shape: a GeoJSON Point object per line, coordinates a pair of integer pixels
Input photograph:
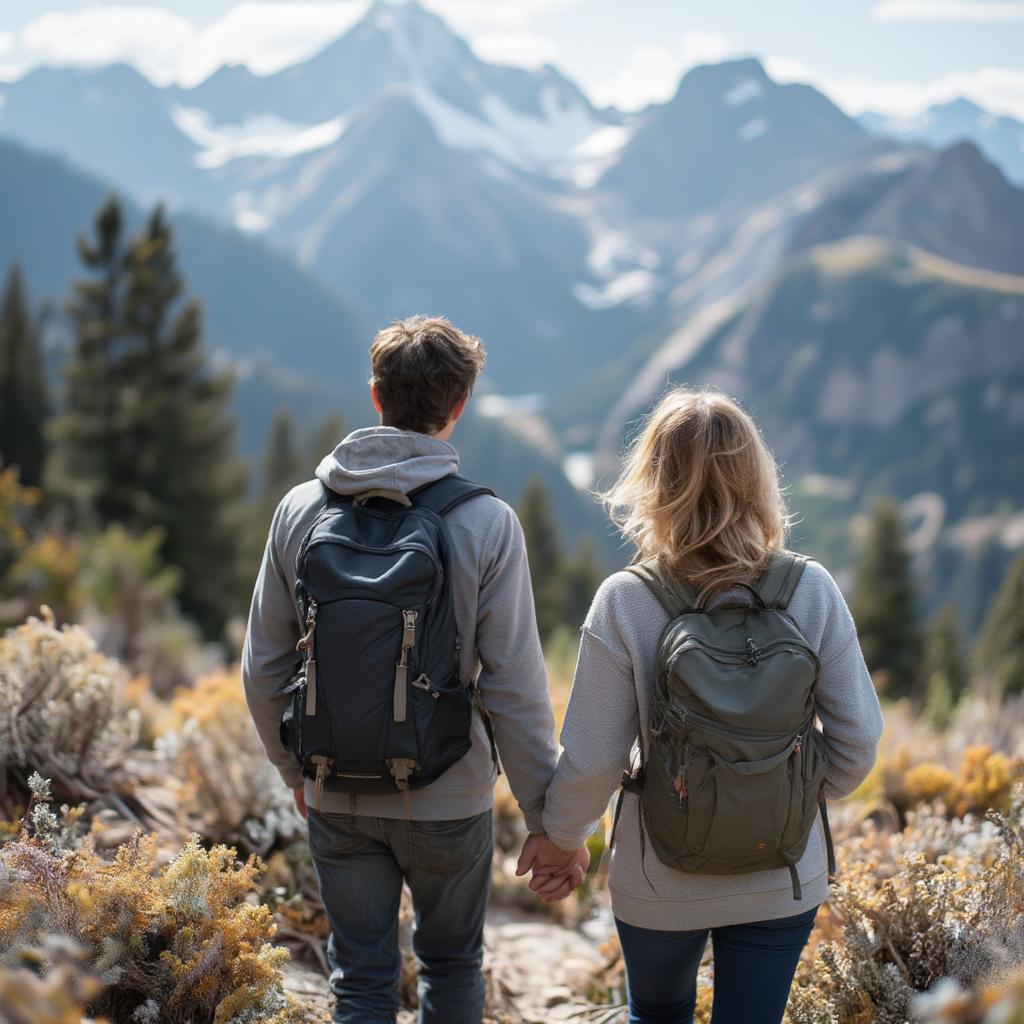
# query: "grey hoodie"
{"type": "Point", "coordinates": [493, 607]}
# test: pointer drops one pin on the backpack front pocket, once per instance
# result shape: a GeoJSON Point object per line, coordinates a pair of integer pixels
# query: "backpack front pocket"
{"type": "Point", "coordinates": [738, 809]}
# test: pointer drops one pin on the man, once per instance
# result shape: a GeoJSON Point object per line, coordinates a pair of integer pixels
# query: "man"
{"type": "Point", "coordinates": [438, 838]}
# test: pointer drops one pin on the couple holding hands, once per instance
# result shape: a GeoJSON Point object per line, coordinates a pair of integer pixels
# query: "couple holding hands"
{"type": "Point", "coordinates": [392, 658]}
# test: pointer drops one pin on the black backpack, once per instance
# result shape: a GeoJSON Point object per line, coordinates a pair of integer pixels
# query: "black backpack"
{"type": "Point", "coordinates": [379, 705]}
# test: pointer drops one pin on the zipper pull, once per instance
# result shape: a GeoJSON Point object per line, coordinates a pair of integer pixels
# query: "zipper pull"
{"type": "Point", "coordinates": [422, 682]}
{"type": "Point", "coordinates": [305, 645]}
{"type": "Point", "coordinates": [680, 784]}
{"type": "Point", "coordinates": [311, 686]}
{"type": "Point", "coordinates": [402, 668]}
{"type": "Point", "coordinates": [323, 767]}
{"type": "Point", "coordinates": [409, 630]}
{"type": "Point", "coordinates": [751, 652]}
{"type": "Point", "coordinates": [306, 640]}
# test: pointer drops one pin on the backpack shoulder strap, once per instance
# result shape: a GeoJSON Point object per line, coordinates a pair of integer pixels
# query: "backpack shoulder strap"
{"type": "Point", "coordinates": [675, 594]}
{"type": "Point", "coordinates": [441, 496]}
{"type": "Point", "coordinates": [778, 582]}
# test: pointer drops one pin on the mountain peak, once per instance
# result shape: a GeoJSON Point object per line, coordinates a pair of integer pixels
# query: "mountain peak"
{"type": "Point", "coordinates": [403, 16]}
{"type": "Point", "coordinates": [961, 106]}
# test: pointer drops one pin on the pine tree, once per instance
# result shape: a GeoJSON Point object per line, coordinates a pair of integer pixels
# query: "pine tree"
{"type": "Point", "coordinates": [144, 439]}
{"type": "Point", "coordinates": [883, 604]}
{"type": "Point", "coordinates": [1000, 653]}
{"type": "Point", "coordinates": [544, 552]}
{"type": "Point", "coordinates": [89, 462]}
{"type": "Point", "coordinates": [23, 397]}
{"type": "Point", "coordinates": [282, 466]}
{"type": "Point", "coordinates": [189, 478]}
{"type": "Point", "coordinates": [943, 654]}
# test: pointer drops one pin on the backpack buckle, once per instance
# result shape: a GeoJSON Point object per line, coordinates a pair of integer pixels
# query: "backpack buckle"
{"type": "Point", "coordinates": [401, 768]}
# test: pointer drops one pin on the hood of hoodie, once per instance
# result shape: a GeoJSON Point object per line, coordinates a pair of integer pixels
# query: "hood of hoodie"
{"type": "Point", "coordinates": [386, 458]}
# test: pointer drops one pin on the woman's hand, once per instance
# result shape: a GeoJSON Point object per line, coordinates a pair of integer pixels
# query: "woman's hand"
{"type": "Point", "coordinates": [556, 872]}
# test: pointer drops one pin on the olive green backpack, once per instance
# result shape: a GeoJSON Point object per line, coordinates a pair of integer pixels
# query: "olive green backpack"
{"type": "Point", "coordinates": [732, 779]}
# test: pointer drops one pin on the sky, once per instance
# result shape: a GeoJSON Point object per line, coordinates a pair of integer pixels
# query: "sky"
{"type": "Point", "coordinates": [891, 56]}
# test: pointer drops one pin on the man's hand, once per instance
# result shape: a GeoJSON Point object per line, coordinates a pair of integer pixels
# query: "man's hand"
{"type": "Point", "coordinates": [556, 872]}
{"type": "Point", "coordinates": [300, 800]}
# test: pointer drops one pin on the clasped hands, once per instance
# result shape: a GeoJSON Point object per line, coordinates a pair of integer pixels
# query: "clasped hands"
{"type": "Point", "coordinates": [556, 872]}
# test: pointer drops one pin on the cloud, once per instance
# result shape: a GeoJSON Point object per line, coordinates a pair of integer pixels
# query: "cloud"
{"type": "Point", "coordinates": [264, 36]}
{"type": "Point", "coordinates": [998, 89]}
{"type": "Point", "coordinates": [476, 17]}
{"type": "Point", "coordinates": [650, 74]}
{"type": "Point", "coordinates": [526, 49]}
{"type": "Point", "coordinates": [948, 10]}
{"type": "Point", "coordinates": [167, 48]}
{"type": "Point", "coordinates": [270, 36]}
{"type": "Point", "coordinates": [151, 38]}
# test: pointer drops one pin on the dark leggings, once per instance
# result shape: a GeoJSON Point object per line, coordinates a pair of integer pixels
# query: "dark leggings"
{"type": "Point", "coordinates": [754, 966]}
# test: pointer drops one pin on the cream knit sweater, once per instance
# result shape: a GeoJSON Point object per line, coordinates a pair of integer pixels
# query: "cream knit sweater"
{"type": "Point", "coordinates": [610, 703]}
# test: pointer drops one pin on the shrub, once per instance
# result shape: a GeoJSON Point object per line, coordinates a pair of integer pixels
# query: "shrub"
{"type": "Point", "coordinates": [231, 790]}
{"type": "Point", "coordinates": [172, 944]}
{"type": "Point", "coordinates": [942, 899]}
{"type": "Point", "coordinates": [61, 710]}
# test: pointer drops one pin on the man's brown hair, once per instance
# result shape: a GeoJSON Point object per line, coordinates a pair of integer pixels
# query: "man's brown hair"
{"type": "Point", "coordinates": [421, 369]}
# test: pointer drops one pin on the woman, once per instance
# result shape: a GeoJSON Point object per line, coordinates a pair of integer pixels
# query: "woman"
{"type": "Point", "coordinates": [699, 491]}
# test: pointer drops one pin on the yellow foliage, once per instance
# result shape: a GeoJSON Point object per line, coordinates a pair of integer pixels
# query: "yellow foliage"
{"type": "Point", "coordinates": [182, 935]}
{"type": "Point", "coordinates": [986, 781]}
{"type": "Point", "coordinates": [17, 504]}
{"type": "Point", "coordinates": [929, 781]}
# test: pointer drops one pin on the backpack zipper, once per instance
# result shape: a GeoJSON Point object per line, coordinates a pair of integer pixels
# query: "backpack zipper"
{"type": "Point", "coordinates": [390, 549]}
{"type": "Point", "coordinates": [708, 725]}
{"type": "Point", "coordinates": [402, 668]}
{"type": "Point", "coordinates": [680, 783]}
{"type": "Point", "coordinates": [748, 655]}
{"type": "Point", "coordinates": [305, 645]}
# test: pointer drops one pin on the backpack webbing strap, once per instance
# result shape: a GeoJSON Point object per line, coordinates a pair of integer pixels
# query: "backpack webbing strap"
{"type": "Point", "coordinates": [779, 581]}
{"type": "Point", "coordinates": [441, 496]}
{"type": "Point", "coordinates": [675, 594]}
{"type": "Point", "coordinates": [830, 849]}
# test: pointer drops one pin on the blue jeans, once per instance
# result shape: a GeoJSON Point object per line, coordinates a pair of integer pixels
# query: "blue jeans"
{"type": "Point", "coordinates": [754, 967]}
{"type": "Point", "coordinates": [360, 863]}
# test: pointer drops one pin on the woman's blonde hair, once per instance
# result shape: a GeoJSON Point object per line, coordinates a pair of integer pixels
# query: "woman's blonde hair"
{"type": "Point", "coordinates": [700, 490]}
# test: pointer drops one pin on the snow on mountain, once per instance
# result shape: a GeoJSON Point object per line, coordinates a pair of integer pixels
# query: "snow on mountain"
{"type": "Point", "coordinates": [533, 121]}
{"type": "Point", "coordinates": [266, 136]}
{"type": "Point", "coordinates": [753, 129]}
{"type": "Point", "coordinates": [745, 90]}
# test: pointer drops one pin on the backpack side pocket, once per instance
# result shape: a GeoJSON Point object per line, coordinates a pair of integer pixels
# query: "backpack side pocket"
{"type": "Point", "coordinates": [290, 727]}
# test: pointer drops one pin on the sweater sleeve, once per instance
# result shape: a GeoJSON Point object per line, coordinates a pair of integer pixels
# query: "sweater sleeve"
{"type": "Point", "coordinates": [848, 707]}
{"type": "Point", "coordinates": [269, 659]}
{"type": "Point", "coordinates": [601, 725]}
{"type": "Point", "coordinates": [513, 678]}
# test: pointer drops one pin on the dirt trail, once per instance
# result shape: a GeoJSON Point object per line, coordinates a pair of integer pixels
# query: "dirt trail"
{"type": "Point", "coordinates": [535, 966]}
